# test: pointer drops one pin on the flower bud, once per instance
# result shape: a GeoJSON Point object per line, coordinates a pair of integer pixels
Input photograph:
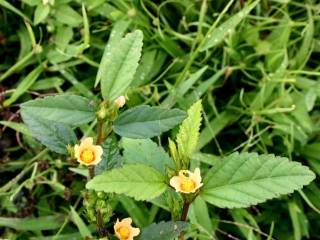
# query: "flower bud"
{"type": "Point", "coordinates": [120, 101]}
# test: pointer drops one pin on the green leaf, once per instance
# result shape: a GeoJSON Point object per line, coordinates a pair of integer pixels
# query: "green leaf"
{"type": "Point", "coordinates": [67, 15]}
{"type": "Point", "coordinates": [147, 152]}
{"type": "Point", "coordinates": [134, 180]}
{"type": "Point", "coordinates": [145, 68]}
{"type": "Point", "coordinates": [215, 126]}
{"type": "Point", "coordinates": [56, 136]}
{"type": "Point", "coordinates": [120, 65]}
{"type": "Point", "coordinates": [136, 210]}
{"type": "Point", "coordinates": [41, 12]}
{"type": "Point", "coordinates": [63, 36]}
{"type": "Point", "coordinates": [178, 92]}
{"type": "Point", "coordinates": [83, 229]}
{"type": "Point", "coordinates": [33, 224]}
{"type": "Point", "coordinates": [115, 36]}
{"type": "Point", "coordinates": [199, 214]}
{"type": "Point", "coordinates": [146, 122]}
{"type": "Point", "coordinates": [111, 156]}
{"type": "Point", "coordinates": [219, 34]}
{"type": "Point", "coordinates": [164, 230]}
{"type": "Point", "coordinates": [24, 85]}
{"type": "Point", "coordinates": [188, 135]}
{"type": "Point", "coordinates": [245, 179]}
{"type": "Point", "coordinates": [47, 83]}
{"type": "Point", "coordinates": [19, 127]}
{"type": "Point", "coordinates": [305, 50]}
{"type": "Point", "coordinates": [69, 109]}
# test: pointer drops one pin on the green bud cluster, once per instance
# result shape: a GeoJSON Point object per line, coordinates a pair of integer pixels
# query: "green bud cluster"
{"type": "Point", "coordinates": [98, 201]}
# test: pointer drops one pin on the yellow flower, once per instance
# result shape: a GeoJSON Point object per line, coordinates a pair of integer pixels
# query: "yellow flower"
{"type": "Point", "coordinates": [124, 231]}
{"type": "Point", "coordinates": [187, 182]}
{"type": "Point", "coordinates": [87, 153]}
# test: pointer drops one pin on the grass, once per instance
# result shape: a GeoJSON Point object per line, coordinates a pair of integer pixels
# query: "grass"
{"type": "Point", "coordinates": [257, 73]}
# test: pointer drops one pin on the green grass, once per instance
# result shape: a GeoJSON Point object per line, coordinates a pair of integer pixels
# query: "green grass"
{"type": "Point", "coordinates": [256, 72]}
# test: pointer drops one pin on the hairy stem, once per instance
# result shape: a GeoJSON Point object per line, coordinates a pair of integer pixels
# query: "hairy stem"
{"type": "Point", "coordinates": [100, 132]}
{"type": "Point", "coordinates": [100, 138]}
{"type": "Point", "coordinates": [184, 215]}
{"type": "Point", "coordinates": [91, 172]}
{"type": "Point", "coordinates": [100, 229]}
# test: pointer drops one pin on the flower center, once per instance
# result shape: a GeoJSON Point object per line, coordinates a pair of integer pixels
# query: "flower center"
{"type": "Point", "coordinates": [87, 156]}
{"type": "Point", "coordinates": [124, 232]}
{"type": "Point", "coordinates": [187, 185]}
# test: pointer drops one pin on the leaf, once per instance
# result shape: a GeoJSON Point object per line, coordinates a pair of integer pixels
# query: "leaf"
{"type": "Point", "coordinates": [19, 127]}
{"type": "Point", "coordinates": [69, 109]}
{"type": "Point", "coordinates": [56, 136]}
{"type": "Point", "coordinates": [111, 156]}
{"type": "Point", "coordinates": [245, 179]}
{"type": "Point", "coordinates": [244, 217]}
{"type": "Point", "coordinates": [33, 224]}
{"type": "Point", "coordinates": [145, 68]}
{"type": "Point", "coordinates": [134, 180]}
{"type": "Point", "coordinates": [179, 92]}
{"type": "Point", "coordinates": [24, 85]}
{"type": "Point", "coordinates": [47, 83]}
{"type": "Point", "coordinates": [41, 12]}
{"type": "Point", "coordinates": [164, 230]}
{"type": "Point", "coordinates": [306, 46]}
{"type": "Point", "coordinates": [120, 65]}
{"type": "Point", "coordinates": [220, 33]}
{"type": "Point", "coordinates": [67, 15]}
{"type": "Point", "coordinates": [63, 36]}
{"type": "Point", "coordinates": [199, 214]}
{"type": "Point", "coordinates": [215, 126]}
{"type": "Point", "coordinates": [147, 152]}
{"type": "Point", "coordinates": [146, 122]}
{"type": "Point", "coordinates": [83, 229]}
{"type": "Point", "coordinates": [136, 211]}
{"type": "Point", "coordinates": [115, 36]}
{"type": "Point", "coordinates": [188, 135]}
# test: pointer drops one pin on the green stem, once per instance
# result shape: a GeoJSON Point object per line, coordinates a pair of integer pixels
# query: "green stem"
{"type": "Point", "coordinates": [100, 229]}
{"type": "Point", "coordinates": [101, 135]}
{"type": "Point", "coordinates": [100, 138]}
{"type": "Point", "coordinates": [16, 66]}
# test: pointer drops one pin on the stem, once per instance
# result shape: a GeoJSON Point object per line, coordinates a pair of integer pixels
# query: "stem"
{"type": "Point", "coordinates": [185, 210]}
{"type": "Point", "coordinates": [184, 215]}
{"type": "Point", "coordinates": [91, 172]}
{"type": "Point", "coordinates": [16, 66]}
{"type": "Point", "coordinates": [100, 138]}
{"type": "Point", "coordinates": [100, 229]}
{"type": "Point", "coordinates": [101, 135]}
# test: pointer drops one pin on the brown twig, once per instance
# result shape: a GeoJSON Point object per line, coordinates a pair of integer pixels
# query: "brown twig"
{"type": "Point", "coordinates": [184, 215]}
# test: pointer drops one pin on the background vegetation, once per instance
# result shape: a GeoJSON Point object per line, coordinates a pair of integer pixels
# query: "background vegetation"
{"type": "Point", "coordinates": [256, 72]}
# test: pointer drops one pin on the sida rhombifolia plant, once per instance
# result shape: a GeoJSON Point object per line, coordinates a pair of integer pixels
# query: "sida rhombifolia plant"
{"type": "Point", "coordinates": [145, 171]}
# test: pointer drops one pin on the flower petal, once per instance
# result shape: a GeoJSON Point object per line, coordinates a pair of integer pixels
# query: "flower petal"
{"type": "Point", "coordinates": [135, 231]}
{"type": "Point", "coordinates": [126, 221]}
{"type": "Point", "coordinates": [77, 151]}
{"type": "Point", "coordinates": [87, 142]}
{"type": "Point", "coordinates": [98, 151]}
{"type": "Point", "coordinates": [196, 176]}
{"type": "Point", "coordinates": [175, 183]}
